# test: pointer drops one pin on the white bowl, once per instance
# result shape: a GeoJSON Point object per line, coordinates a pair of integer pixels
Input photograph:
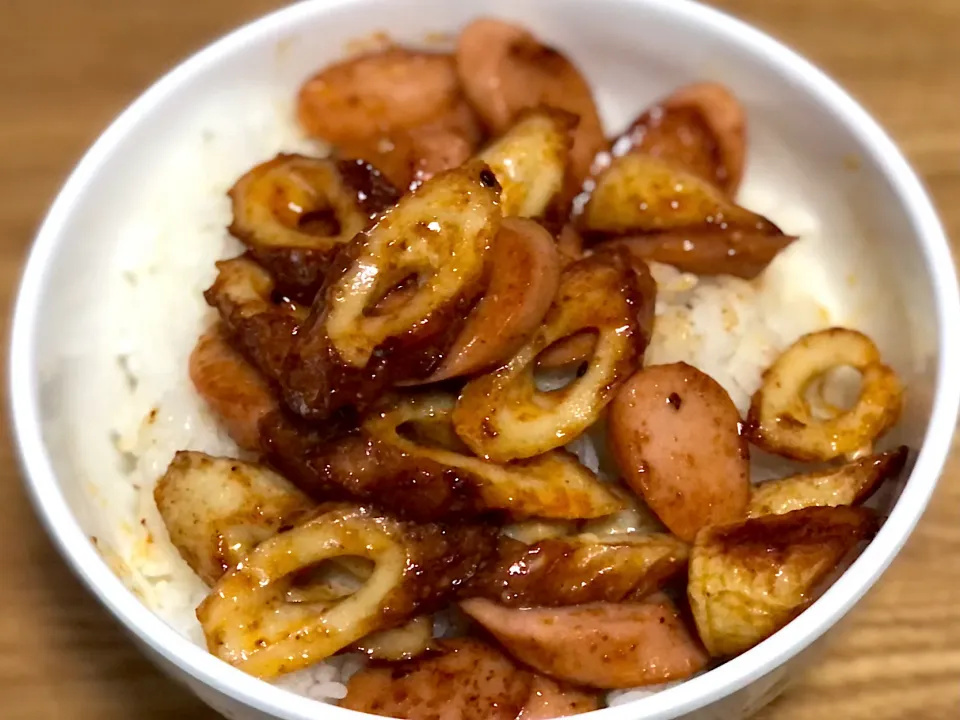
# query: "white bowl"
{"type": "Point", "coordinates": [806, 135]}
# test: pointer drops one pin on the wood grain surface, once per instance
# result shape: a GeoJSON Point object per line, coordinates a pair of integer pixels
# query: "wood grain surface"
{"type": "Point", "coordinates": [68, 66]}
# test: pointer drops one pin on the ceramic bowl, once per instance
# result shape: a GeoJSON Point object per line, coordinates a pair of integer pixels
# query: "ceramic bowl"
{"type": "Point", "coordinates": [809, 141]}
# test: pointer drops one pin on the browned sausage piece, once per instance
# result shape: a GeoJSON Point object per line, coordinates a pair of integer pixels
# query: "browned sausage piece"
{"type": "Point", "coordinates": [599, 645]}
{"type": "Point", "coordinates": [505, 69]}
{"type": "Point", "coordinates": [410, 156]}
{"type": "Point", "coordinates": [741, 253]}
{"type": "Point", "coordinates": [376, 94]}
{"type": "Point", "coordinates": [443, 143]}
{"type": "Point", "coordinates": [401, 110]}
{"type": "Point", "coordinates": [675, 434]}
{"type": "Point", "coordinates": [700, 126]}
{"type": "Point", "coordinates": [466, 680]}
{"type": "Point", "coordinates": [662, 211]}
{"type": "Point", "coordinates": [550, 699]}
{"type": "Point", "coordinates": [233, 388]}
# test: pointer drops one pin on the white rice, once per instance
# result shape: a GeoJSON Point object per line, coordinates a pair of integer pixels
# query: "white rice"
{"type": "Point", "coordinates": [728, 327]}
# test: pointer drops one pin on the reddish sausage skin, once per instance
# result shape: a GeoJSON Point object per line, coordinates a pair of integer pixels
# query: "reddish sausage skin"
{"type": "Point", "coordinates": [601, 645]}
{"type": "Point", "coordinates": [675, 434]}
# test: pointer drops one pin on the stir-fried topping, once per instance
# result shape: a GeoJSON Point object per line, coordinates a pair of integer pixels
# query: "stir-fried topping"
{"type": "Point", "coordinates": [421, 329]}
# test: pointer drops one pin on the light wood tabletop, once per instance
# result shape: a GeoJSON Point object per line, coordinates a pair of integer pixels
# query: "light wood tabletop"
{"type": "Point", "coordinates": [67, 68]}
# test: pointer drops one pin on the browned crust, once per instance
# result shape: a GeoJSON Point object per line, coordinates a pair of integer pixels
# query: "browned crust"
{"type": "Point", "coordinates": [575, 571]}
{"type": "Point", "coordinates": [357, 194]}
{"type": "Point", "coordinates": [465, 678]}
{"type": "Point", "coordinates": [598, 293]}
{"type": "Point", "coordinates": [749, 579]}
{"type": "Point", "coordinates": [661, 211]}
{"type": "Point", "coordinates": [852, 483]}
{"type": "Point", "coordinates": [700, 126]}
{"type": "Point", "coordinates": [360, 466]}
{"type": "Point", "coordinates": [316, 381]}
{"type": "Point", "coordinates": [766, 541]}
{"type": "Point", "coordinates": [442, 558]}
{"type": "Point", "coordinates": [578, 348]}
{"type": "Point", "coordinates": [741, 253]}
{"type": "Point", "coordinates": [504, 69]}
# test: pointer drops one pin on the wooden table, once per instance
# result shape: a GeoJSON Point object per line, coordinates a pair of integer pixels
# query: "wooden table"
{"type": "Point", "coordinates": [67, 67]}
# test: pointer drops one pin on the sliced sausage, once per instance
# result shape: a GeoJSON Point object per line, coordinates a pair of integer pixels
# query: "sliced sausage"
{"type": "Point", "coordinates": [675, 434]}
{"type": "Point", "coordinates": [600, 645]}
{"type": "Point", "coordinates": [550, 699]}
{"type": "Point", "coordinates": [466, 680]}
{"type": "Point", "coordinates": [505, 69]}
{"type": "Point", "coordinates": [524, 280]}
{"type": "Point", "coordinates": [376, 94]}
{"type": "Point", "coordinates": [233, 388]}
{"type": "Point", "coordinates": [700, 126]}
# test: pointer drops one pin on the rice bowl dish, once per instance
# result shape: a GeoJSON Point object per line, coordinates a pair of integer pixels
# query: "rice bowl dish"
{"type": "Point", "coordinates": [168, 247]}
{"type": "Point", "coordinates": [172, 229]}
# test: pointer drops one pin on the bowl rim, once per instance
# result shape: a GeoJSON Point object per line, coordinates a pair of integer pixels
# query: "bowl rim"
{"type": "Point", "coordinates": [50, 504]}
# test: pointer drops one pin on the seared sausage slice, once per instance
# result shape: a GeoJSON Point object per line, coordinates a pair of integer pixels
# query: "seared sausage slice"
{"type": "Point", "coordinates": [550, 699]}
{"type": "Point", "coordinates": [600, 645]}
{"type": "Point", "coordinates": [675, 434]}
{"type": "Point", "coordinates": [466, 680]}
